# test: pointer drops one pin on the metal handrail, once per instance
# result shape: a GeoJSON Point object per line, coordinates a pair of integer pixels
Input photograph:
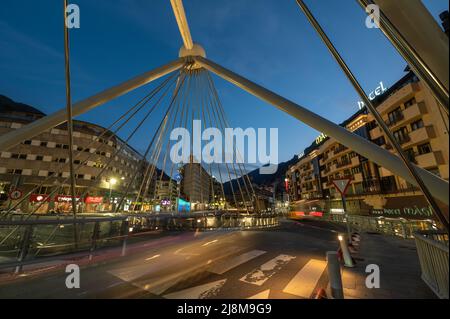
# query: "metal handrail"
{"type": "Point", "coordinates": [433, 256]}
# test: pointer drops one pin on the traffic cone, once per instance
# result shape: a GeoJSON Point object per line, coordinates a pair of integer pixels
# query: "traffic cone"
{"type": "Point", "coordinates": [339, 253]}
{"type": "Point", "coordinates": [321, 294]}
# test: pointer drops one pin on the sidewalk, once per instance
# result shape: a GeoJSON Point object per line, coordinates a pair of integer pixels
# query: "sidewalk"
{"type": "Point", "coordinates": [399, 270]}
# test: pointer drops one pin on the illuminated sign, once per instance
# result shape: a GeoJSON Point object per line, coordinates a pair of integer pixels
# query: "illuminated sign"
{"type": "Point", "coordinates": [165, 202]}
{"type": "Point", "coordinates": [372, 95]}
{"type": "Point", "coordinates": [93, 200]}
{"type": "Point", "coordinates": [320, 138]}
{"type": "Point", "coordinates": [337, 211]}
{"type": "Point", "coordinates": [65, 198]}
{"type": "Point", "coordinates": [37, 198]}
{"type": "Point", "coordinates": [316, 214]}
{"type": "Point", "coordinates": [183, 206]}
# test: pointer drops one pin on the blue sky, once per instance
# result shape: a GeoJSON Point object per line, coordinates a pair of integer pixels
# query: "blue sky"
{"type": "Point", "coordinates": [268, 41]}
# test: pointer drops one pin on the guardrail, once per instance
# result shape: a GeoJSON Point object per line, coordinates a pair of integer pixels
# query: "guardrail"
{"type": "Point", "coordinates": [392, 226]}
{"type": "Point", "coordinates": [22, 241]}
{"type": "Point", "coordinates": [432, 248]}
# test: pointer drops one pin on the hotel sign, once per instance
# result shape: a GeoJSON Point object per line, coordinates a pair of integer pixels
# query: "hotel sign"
{"type": "Point", "coordinates": [372, 95]}
{"type": "Point", "coordinates": [320, 138]}
{"type": "Point", "coordinates": [415, 211]}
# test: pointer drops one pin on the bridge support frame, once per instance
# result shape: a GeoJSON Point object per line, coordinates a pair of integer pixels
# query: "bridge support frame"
{"type": "Point", "coordinates": [17, 136]}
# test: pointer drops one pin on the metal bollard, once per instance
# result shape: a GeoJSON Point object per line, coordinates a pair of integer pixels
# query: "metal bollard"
{"type": "Point", "coordinates": [348, 261]}
{"type": "Point", "coordinates": [24, 247]}
{"type": "Point", "coordinates": [95, 237]}
{"type": "Point", "coordinates": [124, 232]}
{"type": "Point", "coordinates": [334, 274]}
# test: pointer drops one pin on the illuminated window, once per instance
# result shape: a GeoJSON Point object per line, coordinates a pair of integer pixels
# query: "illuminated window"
{"type": "Point", "coordinates": [424, 148]}
{"type": "Point", "coordinates": [416, 125]}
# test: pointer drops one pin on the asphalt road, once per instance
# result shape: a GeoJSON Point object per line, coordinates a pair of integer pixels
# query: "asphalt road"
{"type": "Point", "coordinates": [288, 262]}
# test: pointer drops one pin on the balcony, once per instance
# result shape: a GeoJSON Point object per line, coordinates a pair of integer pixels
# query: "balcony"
{"type": "Point", "coordinates": [403, 139]}
{"type": "Point", "coordinates": [355, 161]}
{"type": "Point", "coordinates": [343, 164]}
{"type": "Point", "coordinates": [324, 172]}
{"type": "Point", "coordinates": [422, 134]}
{"type": "Point", "coordinates": [340, 149]}
{"type": "Point", "coordinates": [398, 97]}
{"type": "Point", "coordinates": [357, 178]}
{"type": "Point", "coordinates": [384, 172]}
{"type": "Point", "coordinates": [429, 160]}
{"type": "Point", "coordinates": [415, 111]}
{"type": "Point", "coordinates": [375, 133]}
{"type": "Point", "coordinates": [395, 119]}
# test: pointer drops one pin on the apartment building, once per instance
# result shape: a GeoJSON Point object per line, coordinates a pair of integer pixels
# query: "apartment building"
{"type": "Point", "coordinates": [418, 124]}
{"type": "Point", "coordinates": [104, 166]}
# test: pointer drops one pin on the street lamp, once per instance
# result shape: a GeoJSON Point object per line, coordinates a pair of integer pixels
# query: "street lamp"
{"type": "Point", "coordinates": [112, 182]}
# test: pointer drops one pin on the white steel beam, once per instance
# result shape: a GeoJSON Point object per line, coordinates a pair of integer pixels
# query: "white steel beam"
{"type": "Point", "coordinates": [180, 16]}
{"type": "Point", "coordinates": [17, 136]}
{"type": "Point", "coordinates": [421, 31]}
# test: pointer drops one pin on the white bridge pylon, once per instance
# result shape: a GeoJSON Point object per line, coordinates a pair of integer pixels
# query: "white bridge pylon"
{"type": "Point", "coordinates": [438, 187]}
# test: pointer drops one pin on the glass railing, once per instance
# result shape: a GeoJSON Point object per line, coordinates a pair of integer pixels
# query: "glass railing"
{"type": "Point", "coordinates": [24, 240]}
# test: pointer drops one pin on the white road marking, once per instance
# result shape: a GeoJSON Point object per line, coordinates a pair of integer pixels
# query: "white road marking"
{"type": "Point", "coordinates": [262, 295]}
{"type": "Point", "coordinates": [199, 292]}
{"type": "Point", "coordinates": [231, 263]}
{"type": "Point", "coordinates": [210, 242]}
{"type": "Point", "coordinates": [304, 282]}
{"type": "Point", "coordinates": [153, 257]}
{"type": "Point", "coordinates": [260, 275]}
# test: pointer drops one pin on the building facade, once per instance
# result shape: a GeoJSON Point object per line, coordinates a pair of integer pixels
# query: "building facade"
{"type": "Point", "coordinates": [40, 166]}
{"type": "Point", "coordinates": [418, 124]}
{"type": "Point", "coordinates": [196, 185]}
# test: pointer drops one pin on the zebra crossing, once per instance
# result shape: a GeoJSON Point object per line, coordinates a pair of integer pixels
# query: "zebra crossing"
{"type": "Point", "coordinates": [302, 284]}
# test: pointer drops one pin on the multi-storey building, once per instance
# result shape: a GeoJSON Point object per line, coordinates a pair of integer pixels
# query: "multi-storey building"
{"type": "Point", "coordinates": [104, 166]}
{"type": "Point", "coordinates": [196, 184]}
{"type": "Point", "coordinates": [418, 124]}
{"type": "Point", "coordinates": [165, 190]}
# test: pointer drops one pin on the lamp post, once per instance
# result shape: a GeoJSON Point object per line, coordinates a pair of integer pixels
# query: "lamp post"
{"type": "Point", "coordinates": [112, 182]}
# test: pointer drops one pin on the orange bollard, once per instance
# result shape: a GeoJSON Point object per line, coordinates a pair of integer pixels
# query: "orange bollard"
{"type": "Point", "coordinates": [321, 294]}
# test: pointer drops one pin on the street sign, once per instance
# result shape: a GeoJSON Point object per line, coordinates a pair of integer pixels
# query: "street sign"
{"type": "Point", "coordinates": [178, 177]}
{"type": "Point", "coordinates": [342, 185]}
{"type": "Point", "coordinates": [15, 194]}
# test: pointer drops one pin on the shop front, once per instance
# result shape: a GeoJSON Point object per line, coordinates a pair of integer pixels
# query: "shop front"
{"type": "Point", "coordinates": [63, 203]}
{"type": "Point", "coordinates": [39, 203]}
{"type": "Point", "coordinates": [94, 204]}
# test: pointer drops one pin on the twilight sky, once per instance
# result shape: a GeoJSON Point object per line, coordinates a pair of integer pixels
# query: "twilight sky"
{"type": "Point", "coordinates": [267, 41]}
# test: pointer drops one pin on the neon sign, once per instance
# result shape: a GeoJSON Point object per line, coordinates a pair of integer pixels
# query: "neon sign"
{"type": "Point", "coordinates": [372, 95]}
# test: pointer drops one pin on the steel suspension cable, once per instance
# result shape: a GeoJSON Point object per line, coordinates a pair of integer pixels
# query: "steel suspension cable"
{"type": "Point", "coordinates": [146, 153]}
{"type": "Point", "coordinates": [211, 110]}
{"type": "Point", "coordinates": [220, 120]}
{"type": "Point", "coordinates": [138, 105]}
{"type": "Point", "coordinates": [238, 155]}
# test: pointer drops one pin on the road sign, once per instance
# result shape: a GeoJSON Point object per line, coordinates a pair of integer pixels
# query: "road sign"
{"type": "Point", "coordinates": [342, 185]}
{"type": "Point", "coordinates": [15, 194]}
{"type": "Point", "coordinates": [178, 177]}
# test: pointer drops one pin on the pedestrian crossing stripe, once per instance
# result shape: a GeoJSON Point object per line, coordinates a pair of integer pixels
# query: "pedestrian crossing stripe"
{"type": "Point", "coordinates": [224, 266]}
{"type": "Point", "coordinates": [262, 295]}
{"type": "Point", "coordinates": [304, 282]}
